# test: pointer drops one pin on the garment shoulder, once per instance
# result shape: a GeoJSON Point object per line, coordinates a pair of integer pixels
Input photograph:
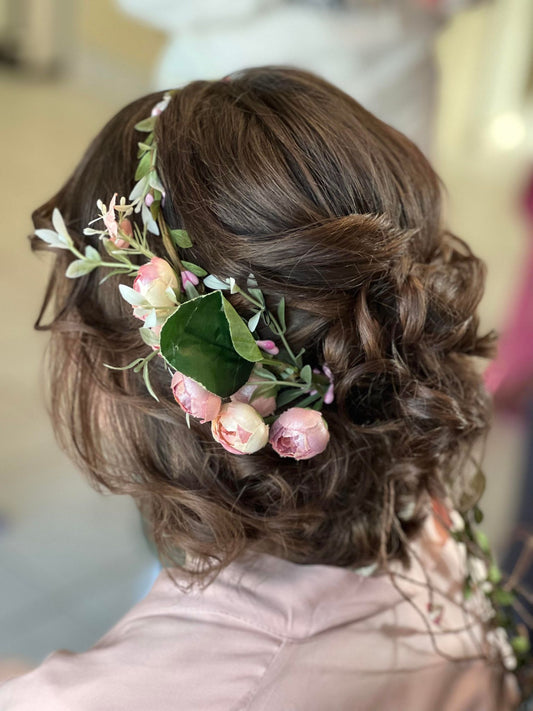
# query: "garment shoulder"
{"type": "Point", "coordinates": [207, 661]}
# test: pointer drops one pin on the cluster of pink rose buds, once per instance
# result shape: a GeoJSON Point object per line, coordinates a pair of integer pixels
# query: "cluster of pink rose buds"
{"type": "Point", "coordinates": [239, 427]}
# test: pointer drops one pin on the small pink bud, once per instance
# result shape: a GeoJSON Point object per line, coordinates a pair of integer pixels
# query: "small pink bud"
{"type": "Point", "coordinates": [299, 433]}
{"type": "Point", "coordinates": [268, 346]}
{"type": "Point", "coordinates": [330, 392]}
{"type": "Point", "coordinates": [153, 281]}
{"type": "Point", "coordinates": [239, 428]}
{"type": "Point", "coordinates": [126, 228]}
{"type": "Point", "coordinates": [189, 278]}
{"type": "Point", "coordinates": [148, 200]}
{"type": "Point", "coordinates": [194, 399]}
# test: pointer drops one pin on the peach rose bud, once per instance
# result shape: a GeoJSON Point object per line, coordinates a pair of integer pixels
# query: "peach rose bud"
{"type": "Point", "coordinates": [194, 399]}
{"type": "Point", "coordinates": [239, 428]}
{"type": "Point", "coordinates": [153, 281]}
{"type": "Point", "coordinates": [265, 406]}
{"type": "Point", "coordinates": [299, 433]}
{"type": "Point", "coordinates": [127, 229]}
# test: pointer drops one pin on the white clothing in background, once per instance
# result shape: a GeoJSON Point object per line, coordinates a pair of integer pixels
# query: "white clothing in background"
{"type": "Point", "coordinates": [379, 51]}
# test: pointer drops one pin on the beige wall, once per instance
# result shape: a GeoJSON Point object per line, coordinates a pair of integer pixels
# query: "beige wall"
{"type": "Point", "coordinates": [104, 28]}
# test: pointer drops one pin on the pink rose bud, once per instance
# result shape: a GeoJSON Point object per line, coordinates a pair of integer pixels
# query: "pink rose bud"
{"type": "Point", "coordinates": [194, 399]}
{"type": "Point", "coordinates": [299, 433]}
{"type": "Point", "coordinates": [148, 200]}
{"type": "Point", "coordinates": [189, 278]}
{"type": "Point", "coordinates": [153, 281]}
{"type": "Point", "coordinates": [239, 428]}
{"type": "Point", "coordinates": [127, 229]}
{"type": "Point", "coordinates": [268, 346]}
{"type": "Point", "coordinates": [265, 406]}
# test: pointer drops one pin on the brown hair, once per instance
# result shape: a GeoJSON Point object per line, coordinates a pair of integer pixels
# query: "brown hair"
{"type": "Point", "coordinates": [276, 172]}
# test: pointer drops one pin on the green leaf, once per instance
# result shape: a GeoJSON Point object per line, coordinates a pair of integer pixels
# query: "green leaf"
{"type": "Point", "coordinates": [264, 390]}
{"type": "Point", "coordinates": [310, 400]}
{"type": "Point", "coordinates": [131, 296]}
{"type": "Point", "coordinates": [494, 574]}
{"type": "Point", "coordinates": [119, 254]}
{"type": "Point", "coordinates": [306, 374]}
{"type": "Point", "coordinates": [503, 597]}
{"type": "Point", "coordinates": [194, 268]}
{"type": "Point", "coordinates": [139, 189]}
{"type": "Point", "coordinates": [299, 355]}
{"type": "Point", "coordinates": [520, 644]}
{"type": "Point", "coordinates": [191, 290]}
{"type": "Point", "coordinates": [149, 337]}
{"type": "Point", "coordinates": [144, 166]}
{"type": "Point", "coordinates": [148, 220]}
{"type": "Point", "coordinates": [288, 395]}
{"type": "Point", "coordinates": [257, 294]}
{"type": "Point", "coordinates": [483, 541]}
{"type": "Point", "coordinates": [143, 147]}
{"type": "Point", "coordinates": [242, 339]}
{"type": "Point", "coordinates": [146, 378]}
{"type": "Point", "coordinates": [60, 227]}
{"type": "Point", "coordinates": [51, 238]}
{"type": "Point", "coordinates": [181, 238]}
{"type": "Point", "coordinates": [92, 254]}
{"type": "Point", "coordinates": [472, 493]}
{"type": "Point", "coordinates": [264, 373]}
{"type": "Point", "coordinates": [79, 267]}
{"type": "Point", "coordinates": [281, 314]}
{"type": "Point", "coordinates": [478, 514]}
{"type": "Point", "coordinates": [147, 125]}
{"type": "Point", "coordinates": [154, 182]}
{"type": "Point", "coordinates": [213, 282]}
{"type": "Point", "coordinates": [197, 341]}
{"type": "Point", "coordinates": [252, 323]}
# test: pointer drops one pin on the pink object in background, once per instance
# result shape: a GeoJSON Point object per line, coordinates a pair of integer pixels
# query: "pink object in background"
{"type": "Point", "coordinates": [510, 376]}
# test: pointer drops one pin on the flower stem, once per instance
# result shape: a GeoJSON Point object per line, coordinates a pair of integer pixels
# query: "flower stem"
{"type": "Point", "coordinates": [277, 328]}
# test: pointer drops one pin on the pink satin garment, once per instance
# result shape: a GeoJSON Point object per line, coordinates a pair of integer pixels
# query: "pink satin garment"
{"type": "Point", "coordinates": [273, 635]}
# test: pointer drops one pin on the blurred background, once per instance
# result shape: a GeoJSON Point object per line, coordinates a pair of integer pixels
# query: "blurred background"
{"type": "Point", "coordinates": [457, 76]}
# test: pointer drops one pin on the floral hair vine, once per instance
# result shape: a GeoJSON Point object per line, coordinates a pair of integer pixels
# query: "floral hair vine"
{"type": "Point", "coordinates": [252, 391]}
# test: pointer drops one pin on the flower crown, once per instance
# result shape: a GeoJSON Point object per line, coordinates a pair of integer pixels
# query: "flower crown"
{"type": "Point", "coordinates": [220, 372]}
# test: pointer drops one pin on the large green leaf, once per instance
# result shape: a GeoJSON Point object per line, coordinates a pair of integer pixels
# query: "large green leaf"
{"type": "Point", "coordinates": [243, 341]}
{"type": "Point", "coordinates": [197, 340]}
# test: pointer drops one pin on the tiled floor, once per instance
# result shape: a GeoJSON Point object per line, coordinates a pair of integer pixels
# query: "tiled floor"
{"type": "Point", "coordinates": [72, 561]}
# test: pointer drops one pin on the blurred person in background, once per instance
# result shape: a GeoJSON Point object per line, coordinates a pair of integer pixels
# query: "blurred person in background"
{"type": "Point", "coordinates": [381, 52]}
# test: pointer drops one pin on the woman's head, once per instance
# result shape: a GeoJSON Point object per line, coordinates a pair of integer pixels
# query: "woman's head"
{"type": "Point", "coordinates": [276, 172]}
